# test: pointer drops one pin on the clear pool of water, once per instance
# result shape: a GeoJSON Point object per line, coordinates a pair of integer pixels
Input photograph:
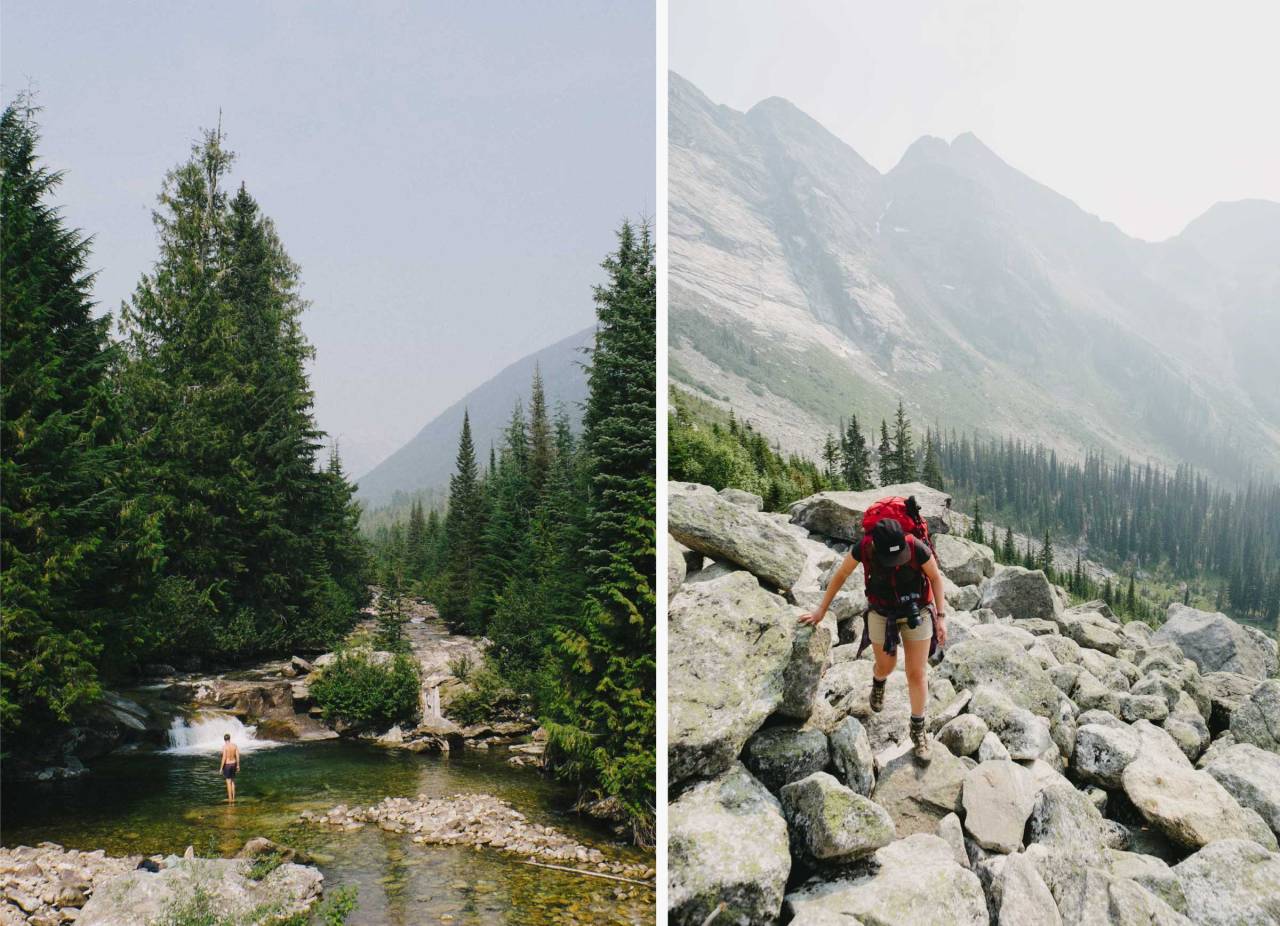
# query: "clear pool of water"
{"type": "Point", "coordinates": [160, 802]}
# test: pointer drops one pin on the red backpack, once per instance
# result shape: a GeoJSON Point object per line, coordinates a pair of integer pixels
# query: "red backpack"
{"type": "Point", "coordinates": [906, 511]}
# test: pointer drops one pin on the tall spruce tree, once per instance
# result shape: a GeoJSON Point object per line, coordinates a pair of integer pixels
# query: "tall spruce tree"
{"type": "Point", "coordinates": [904, 453]}
{"type": "Point", "coordinates": [931, 469]}
{"type": "Point", "coordinates": [884, 456]}
{"type": "Point", "coordinates": [74, 551]}
{"type": "Point", "coordinates": [602, 724]}
{"type": "Point", "coordinates": [855, 457]}
{"type": "Point", "coordinates": [464, 523]}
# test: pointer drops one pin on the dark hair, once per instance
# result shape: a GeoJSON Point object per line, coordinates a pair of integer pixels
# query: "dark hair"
{"type": "Point", "coordinates": [226, 736]}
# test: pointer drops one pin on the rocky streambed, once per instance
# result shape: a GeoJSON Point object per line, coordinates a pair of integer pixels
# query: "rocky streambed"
{"type": "Point", "coordinates": [1084, 770]}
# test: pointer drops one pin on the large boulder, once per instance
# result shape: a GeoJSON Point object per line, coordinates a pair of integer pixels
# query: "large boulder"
{"type": "Point", "coordinates": [916, 880]}
{"type": "Point", "coordinates": [1098, 896]}
{"type": "Point", "coordinates": [1104, 751]}
{"type": "Point", "coordinates": [748, 500]}
{"type": "Point", "coordinates": [1065, 819]}
{"type": "Point", "coordinates": [1020, 593]}
{"type": "Point", "coordinates": [1024, 898]}
{"type": "Point", "coordinates": [1024, 735]}
{"type": "Point", "coordinates": [729, 643]}
{"type": "Point", "coordinates": [831, 823]}
{"type": "Point", "coordinates": [1227, 691]}
{"type": "Point", "coordinates": [839, 514]}
{"type": "Point", "coordinates": [851, 756]}
{"type": "Point", "coordinates": [677, 568]}
{"type": "Point", "coordinates": [963, 735]}
{"type": "Point", "coordinates": [1002, 665]}
{"type": "Point", "coordinates": [810, 649]}
{"type": "Point", "coordinates": [964, 561]}
{"type": "Point", "coordinates": [1232, 882]}
{"type": "Point", "coordinates": [1257, 719]}
{"type": "Point", "coordinates": [727, 844]}
{"type": "Point", "coordinates": [997, 798]}
{"type": "Point", "coordinates": [143, 896]}
{"type": "Point", "coordinates": [780, 755]}
{"type": "Point", "coordinates": [1216, 643]}
{"type": "Point", "coordinates": [917, 795]}
{"type": "Point", "coordinates": [1188, 805]}
{"type": "Point", "coordinates": [703, 521]}
{"type": "Point", "coordinates": [1252, 776]}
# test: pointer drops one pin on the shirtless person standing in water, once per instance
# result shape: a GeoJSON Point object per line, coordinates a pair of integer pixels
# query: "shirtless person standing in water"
{"type": "Point", "coordinates": [229, 763]}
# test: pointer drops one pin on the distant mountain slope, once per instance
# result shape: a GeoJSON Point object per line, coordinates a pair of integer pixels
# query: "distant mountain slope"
{"type": "Point", "coordinates": [806, 285]}
{"type": "Point", "coordinates": [428, 459]}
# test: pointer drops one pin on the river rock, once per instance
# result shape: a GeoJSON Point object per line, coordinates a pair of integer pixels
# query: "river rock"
{"type": "Point", "coordinates": [1024, 897]}
{"type": "Point", "coordinates": [1252, 776]}
{"type": "Point", "coordinates": [962, 560]}
{"type": "Point", "coordinates": [1257, 719]}
{"type": "Point", "coordinates": [851, 756]}
{"type": "Point", "coordinates": [703, 521]}
{"type": "Point", "coordinates": [963, 735]}
{"type": "Point", "coordinates": [831, 823]}
{"type": "Point", "coordinates": [916, 881]}
{"type": "Point", "coordinates": [918, 796]}
{"type": "Point", "coordinates": [1231, 882]}
{"type": "Point", "coordinates": [810, 648]}
{"type": "Point", "coordinates": [1216, 643]}
{"type": "Point", "coordinates": [997, 797]}
{"type": "Point", "coordinates": [729, 644]}
{"type": "Point", "coordinates": [1021, 593]}
{"type": "Point", "coordinates": [1188, 805]}
{"type": "Point", "coordinates": [144, 896]}
{"type": "Point", "coordinates": [780, 755]}
{"type": "Point", "coordinates": [727, 843]}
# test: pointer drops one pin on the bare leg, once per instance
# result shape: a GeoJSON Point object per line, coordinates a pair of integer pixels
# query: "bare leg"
{"type": "Point", "coordinates": [917, 674]}
{"type": "Point", "coordinates": [885, 664]}
{"type": "Point", "coordinates": [231, 786]}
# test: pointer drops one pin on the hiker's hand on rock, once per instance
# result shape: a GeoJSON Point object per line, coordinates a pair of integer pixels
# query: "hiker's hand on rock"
{"type": "Point", "coordinates": [813, 618]}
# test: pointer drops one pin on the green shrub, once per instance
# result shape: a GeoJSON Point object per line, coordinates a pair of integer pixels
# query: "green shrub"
{"type": "Point", "coordinates": [461, 666]}
{"type": "Point", "coordinates": [357, 691]}
{"type": "Point", "coordinates": [487, 694]}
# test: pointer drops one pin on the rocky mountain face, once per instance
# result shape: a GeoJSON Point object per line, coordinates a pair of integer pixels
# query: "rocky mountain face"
{"type": "Point", "coordinates": [427, 461]}
{"type": "Point", "coordinates": [1083, 770]}
{"type": "Point", "coordinates": [805, 285]}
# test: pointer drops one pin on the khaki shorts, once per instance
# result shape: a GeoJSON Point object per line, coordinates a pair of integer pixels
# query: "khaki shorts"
{"type": "Point", "coordinates": [923, 630]}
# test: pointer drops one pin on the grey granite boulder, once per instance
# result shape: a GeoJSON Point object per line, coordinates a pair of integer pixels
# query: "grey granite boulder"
{"type": "Point", "coordinates": [963, 735]}
{"type": "Point", "coordinates": [777, 756]}
{"type": "Point", "coordinates": [964, 561]}
{"type": "Point", "coordinates": [729, 645]}
{"type": "Point", "coordinates": [839, 514]}
{"type": "Point", "coordinates": [917, 795]}
{"type": "Point", "coordinates": [810, 649]}
{"type": "Point", "coordinates": [1232, 882]}
{"type": "Point", "coordinates": [1020, 593]}
{"type": "Point", "coordinates": [748, 500]}
{"type": "Point", "coordinates": [831, 823]}
{"type": "Point", "coordinates": [727, 844]}
{"type": "Point", "coordinates": [1252, 776]}
{"type": "Point", "coordinates": [997, 798]}
{"type": "Point", "coordinates": [703, 521]}
{"type": "Point", "coordinates": [1257, 719]}
{"type": "Point", "coordinates": [1216, 643]}
{"type": "Point", "coordinates": [1024, 898]}
{"type": "Point", "coordinates": [1002, 665]}
{"type": "Point", "coordinates": [851, 756]}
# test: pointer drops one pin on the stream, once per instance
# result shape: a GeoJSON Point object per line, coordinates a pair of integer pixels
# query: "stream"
{"type": "Point", "coordinates": [153, 801]}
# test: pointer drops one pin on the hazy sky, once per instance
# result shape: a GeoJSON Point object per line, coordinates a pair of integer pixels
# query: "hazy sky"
{"type": "Point", "coordinates": [449, 175]}
{"type": "Point", "coordinates": [1144, 112]}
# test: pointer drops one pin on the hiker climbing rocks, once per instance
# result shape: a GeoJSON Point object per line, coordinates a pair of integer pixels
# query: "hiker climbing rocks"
{"type": "Point", "coordinates": [905, 602]}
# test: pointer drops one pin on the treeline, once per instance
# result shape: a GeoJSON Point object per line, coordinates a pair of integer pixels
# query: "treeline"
{"type": "Point", "coordinates": [1174, 527]}
{"type": "Point", "coordinates": [1140, 516]}
{"type": "Point", "coordinates": [163, 499]}
{"type": "Point", "coordinates": [547, 548]}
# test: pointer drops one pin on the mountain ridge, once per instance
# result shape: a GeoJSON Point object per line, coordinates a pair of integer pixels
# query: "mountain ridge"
{"type": "Point", "coordinates": [427, 459]}
{"type": "Point", "coordinates": [805, 286]}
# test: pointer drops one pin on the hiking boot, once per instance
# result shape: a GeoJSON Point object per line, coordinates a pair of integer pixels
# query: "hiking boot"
{"type": "Point", "coordinates": [919, 740]}
{"type": "Point", "coordinates": [877, 694]}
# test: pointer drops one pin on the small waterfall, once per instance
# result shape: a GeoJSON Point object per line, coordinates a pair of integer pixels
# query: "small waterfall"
{"type": "Point", "coordinates": [203, 733]}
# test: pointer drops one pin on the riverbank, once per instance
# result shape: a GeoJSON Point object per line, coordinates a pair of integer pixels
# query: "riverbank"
{"type": "Point", "coordinates": [160, 802]}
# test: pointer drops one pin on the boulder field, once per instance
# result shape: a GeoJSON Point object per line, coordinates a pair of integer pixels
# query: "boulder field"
{"type": "Point", "coordinates": [1084, 770]}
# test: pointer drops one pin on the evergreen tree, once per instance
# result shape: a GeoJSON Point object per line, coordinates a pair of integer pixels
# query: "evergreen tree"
{"type": "Point", "coordinates": [602, 725]}
{"type": "Point", "coordinates": [855, 457]}
{"type": "Point", "coordinates": [931, 471]}
{"type": "Point", "coordinates": [392, 610]}
{"type": "Point", "coordinates": [68, 536]}
{"type": "Point", "coordinates": [416, 542]}
{"type": "Point", "coordinates": [1045, 559]}
{"type": "Point", "coordinates": [1131, 598]}
{"type": "Point", "coordinates": [541, 440]}
{"type": "Point", "coordinates": [903, 454]}
{"type": "Point", "coordinates": [885, 456]}
{"type": "Point", "coordinates": [459, 595]}
{"type": "Point", "coordinates": [830, 456]}
{"type": "Point", "coordinates": [1009, 552]}
{"type": "Point", "coordinates": [976, 530]}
